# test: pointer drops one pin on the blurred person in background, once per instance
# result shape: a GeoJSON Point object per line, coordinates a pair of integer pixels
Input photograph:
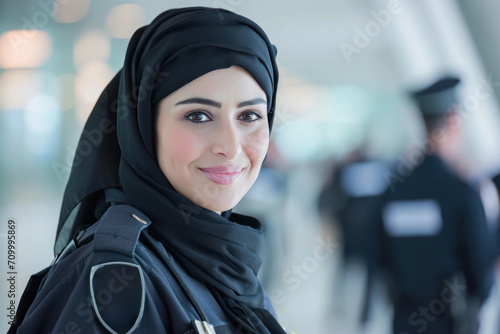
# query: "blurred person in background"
{"type": "Point", "coordinates": [434, 243]}
{"type": "Point", "coordinates": [349, 201]}
{"type": "Point", "coordinates": [184, 129]}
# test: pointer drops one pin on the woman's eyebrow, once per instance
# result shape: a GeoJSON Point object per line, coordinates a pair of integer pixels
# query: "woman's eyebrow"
{"type": "Point", "coordinates": [252, 102]}
{"type": "Point", "coordinates": [200, 100]}
{"type": "Point", "coordinates": [208, 102]}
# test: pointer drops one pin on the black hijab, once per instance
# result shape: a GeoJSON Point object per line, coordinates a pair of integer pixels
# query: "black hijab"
{"type": "Point", "coordinates": [117, 151]}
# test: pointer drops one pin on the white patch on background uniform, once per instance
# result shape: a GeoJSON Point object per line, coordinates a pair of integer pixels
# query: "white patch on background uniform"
{"type": "Point", "coordinates": [417, 218]}
{"type": "Point", "coordinates": [364, 179]}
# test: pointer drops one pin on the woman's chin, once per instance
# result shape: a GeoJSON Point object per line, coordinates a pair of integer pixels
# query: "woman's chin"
{"type": "Point", "coordinates": [219, 206]}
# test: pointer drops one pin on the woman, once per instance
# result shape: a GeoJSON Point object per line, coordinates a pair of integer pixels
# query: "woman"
{"type": "Point", "coordinates": [174, 142]}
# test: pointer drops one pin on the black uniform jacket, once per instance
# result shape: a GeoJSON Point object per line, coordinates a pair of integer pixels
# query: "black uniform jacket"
{"type": "Point", "coordinates": [115, 283]}
{"type": "Point", "coordinates": [434, 227]}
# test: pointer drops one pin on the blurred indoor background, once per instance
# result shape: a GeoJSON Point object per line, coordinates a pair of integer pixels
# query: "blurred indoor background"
{"type": "Point", "coordinates": [345, 67]}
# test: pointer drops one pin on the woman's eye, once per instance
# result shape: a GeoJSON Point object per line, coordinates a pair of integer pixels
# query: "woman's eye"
{"type": "Point", "coordinates": [198, 117]}
{"type": "Point", "coordinates": [250, 117]}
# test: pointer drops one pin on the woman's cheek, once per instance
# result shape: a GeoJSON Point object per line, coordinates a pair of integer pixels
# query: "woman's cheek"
{"type": "Point", "coordinates": [185, 144]}
{"type": "Point", "coordinates": [256, 145]}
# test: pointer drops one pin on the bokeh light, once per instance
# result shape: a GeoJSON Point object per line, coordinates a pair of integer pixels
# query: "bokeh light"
{"type": "Point", "coordinates": [70, 11]}
{"type": "Point", "coordinates": [123, 20]}
{"type": "Point", "coordinates": [42, 121]}
{"type": "Point", "coordinates": [24, 48]}
{"type": "Point", "coordinates": [90, 81]}
{"type": "Point", "coordinates": [63, 89]}
{"type": "Point", "coordinates": [93, 45]}
{"type": "Point", "coordinates": [17, 87]}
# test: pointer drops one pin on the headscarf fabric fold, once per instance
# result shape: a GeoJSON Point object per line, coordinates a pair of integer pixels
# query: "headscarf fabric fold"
{"type": "Point", "coordinates": [222, 251]}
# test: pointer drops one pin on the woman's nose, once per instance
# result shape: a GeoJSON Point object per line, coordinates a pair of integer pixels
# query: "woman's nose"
{"type": "Point", "coordinates": [227, 141]}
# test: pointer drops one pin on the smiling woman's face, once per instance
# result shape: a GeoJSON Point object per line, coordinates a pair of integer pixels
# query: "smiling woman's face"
{"type": "Point", "coordinates": [212, 136]}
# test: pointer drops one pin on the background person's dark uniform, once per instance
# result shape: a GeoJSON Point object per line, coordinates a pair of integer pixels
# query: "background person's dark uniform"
{"type": "Point", "coordinates": [435, 242]}
{"type": "Point", "coordinates": [350, 200]}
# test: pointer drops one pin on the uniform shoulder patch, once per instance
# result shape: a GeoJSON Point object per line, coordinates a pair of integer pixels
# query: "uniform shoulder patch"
{"type": "Point", "coordinates": [118, 295]}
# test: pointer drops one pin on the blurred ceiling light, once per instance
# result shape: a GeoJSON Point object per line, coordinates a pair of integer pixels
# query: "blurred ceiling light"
{"type": "Point", "coordinates": [70, 11]}
{"type": "Point", "coordinates": [62, 89]}
{"type": "Point", "coordinates": [93, 45]}
{"type": "Point", "coordinates": [90, 81]}
{"type": "Point", "coordinates": [17, 87]}
{"type": "Point", "coordinates": [24, 48]}
{"type": "Point", "coordinates": [123, 20]}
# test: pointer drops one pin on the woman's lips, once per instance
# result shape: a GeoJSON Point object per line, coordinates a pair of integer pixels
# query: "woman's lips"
{"type": "Point", "coordinates": [222, 174]}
